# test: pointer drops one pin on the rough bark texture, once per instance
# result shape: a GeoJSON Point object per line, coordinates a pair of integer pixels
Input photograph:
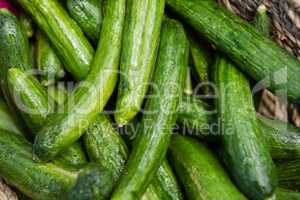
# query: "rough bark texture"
{"type": "Point", "coordinates": [285, 17]}
{"type": "Point", "coordinates": [6, 193]}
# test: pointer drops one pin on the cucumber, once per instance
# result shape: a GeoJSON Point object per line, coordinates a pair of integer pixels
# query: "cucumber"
{"type": "Point", "coordinates": [105, 146]}
{"type": "Point", "coordinates": [36, 180]}
{"type": "Point", "coordinates": [261, 20]}
{"type": "Point", "coordinates": [69, 42]}
{"type": "Point", "coordinates": [58, 93]}
{"type": "Point", "coordinates": [282, 194]}
{"type": "Point", "coordinates": [153, 138]}
{"type": "Point", "coordinates": [188, 88]}
{"type": "Point", "coordinates": [199, 171]}
{"type": "Point", "coordinates": [88, 15]}
{"type": "Point", "coordinates": [244, 151]}
{"type": "Point", "coordinates": [140, 44]}
{"type": "Point", "coordinates": [289, 174]}
{"type": "Point", "coordinates": [91, 95]}
{"type": "Point", "coordinates": [47, 61]}
{"type": "Point", "coordinates": [35, 105]}
{"type": "Point", "coordinates": [7, 121]}
{"type": "Point", "coordinates": [27, 24]}
{"type": "Point", "coordinates": [256, 55]}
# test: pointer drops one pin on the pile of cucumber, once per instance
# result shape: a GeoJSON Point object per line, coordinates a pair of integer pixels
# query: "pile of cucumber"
{"type": "Point", "coordinates": [143, 99]}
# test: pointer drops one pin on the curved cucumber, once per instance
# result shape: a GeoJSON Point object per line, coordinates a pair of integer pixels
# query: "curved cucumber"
{"type": "Point", "coordinates": [90, 97]}
{"type": "Point", "coordinates": [36, 180]}
{"type": "Point", "coordinates": [66, 37]}
{"type": "Point", "coordinates": [88, 15]}
{"type": "Point", "coordinates": [199, 171]}
{"type": "Point", "coordinates": [35, 105]}
{"type": "Point", "coordinates": [105, 146]}
{"type": "Point", "coordinates": [7, 121]}
{"type": "Point", "coordinates": [153, 138]}
{"type": "Point", "coordinates": [47, 61]}
{"type": "Point", "coordinates": [140, 44]}
{"type": "Point", "coordinates": [244, 151]}
{"type": "Point", "coordinates": [256, 55]}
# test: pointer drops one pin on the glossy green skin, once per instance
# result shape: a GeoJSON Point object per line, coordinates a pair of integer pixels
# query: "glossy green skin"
{"type": "Point", "coordinates": [90, 97]}
{"type": "Point", "coordinates": [140, 44]}
{"type": "Point", "coordinates": [289, 174]}
{"type": "Point", "coordinates": [287, 195]}
{"type": "Point", "coordinates": [88, 15]}
{"type": "Point", "coordinates": [58, 93]}
{"type": "Point", "coordinates": [35, 105]}
{"type": "Point", "coordinates": [94, 182]}
{"type": "Point", "coordinates": [201, 174]}
{"type": "Point", "coordinates": [283, 139]}
{"type": "Point", "coordinates": [69, 42]}
{"type": "Point", "coordinates": [47, 61]}
{"type": "Point", "coordinates": [244, 152]}
{"type": "Point", "coordinates": [27, 24]}
{"type": "Point", "coordinates": [36, 180]}
{"type": "Point", "coordinates": [255, 54]}
{"type": "Point", "coordinates": [105, 146]}
{"type": "Point", "coordinates": [153, 138]}
{"type": "Point", "coordinates": [7, 121]}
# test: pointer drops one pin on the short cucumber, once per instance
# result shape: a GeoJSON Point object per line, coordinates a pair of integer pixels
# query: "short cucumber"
{"type": "Point", "coordinates": [153, 138]}
{"type": "Point", "coordinates": [140, 44]}
{"type": "Point", "coordinates": [92, 94]}
{"type": "Point", "coordinates": [289, 174]}
{"type": "Point", "coordinates": [244, 151]}
{"type": "Point", "coordinates": [47, 61]}
{"type": "Point", "coordinates": [256, 55]}
{"type": "Point", "coordinates": [36, 180]}
{"type": "Point", "coordinates": [69, 42]}
{"type": "Point", "coordinates": [26, 23]}
{"type": "Point", "coordinates": [35, 105]}
{"type": "Point", "coordinates": [7, 121]}
{"type": "Point", "coordinates": [105, 146]}
{"type": "Point", "coordinates": [199, 171]}
{"type": "Point", "coordinates": [88, 15]}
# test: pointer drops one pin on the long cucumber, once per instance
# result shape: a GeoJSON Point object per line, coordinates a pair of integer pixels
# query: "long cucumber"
{"type": "Point", "coordinates": [140, 44]}
{"type": "Point", "coordinates": [90, 97]}
{"type": "Point", "coordinates": [66, 37]}
{"type": "Point", "coordinates": [88, 15]}
{"type": "Point", "coordinates": [244, 150]}
{"type": "Point", "coordinates": [153, 139]}
{"type": "Point", "coordinates": [35, 105]}
{"type": "Point", "coordinates": [255, 54]}
{"type": "Point", "coordinates": [201, 174]}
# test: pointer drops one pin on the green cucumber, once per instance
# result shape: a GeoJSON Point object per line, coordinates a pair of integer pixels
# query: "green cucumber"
{"type": "Point", "coordinates": [153, 138]}
{"type": "Point", "coordinates": [27, 24]}
{"type": "Point", "coordinates": [92, 94]}
{"type": "Point", "coordinates": [244, 151]}
{"type": "Point", "coordinates": [105, 146]}
{"type": "Point", "coordinates": [140, 44]}
{"type": "Point", "coordinates": [35, 105]}
{"type": "Point", "coordinates": [256, 55]}
{"type": "Point", "coordinates": [58, 93]}
{"type": "Point", "coordinates": [282, 194]}
{"type": "Point", "coordinates": [199, 171]}
{"type": "Point", "coordinates": [7, 121]}
{"type": "Point", "coordinates": [66, 37]}
{"type": "Point", "coordinates": [36, 180]}
{"type": "Point", "coordinates": [48, 63]}
{"type": "Point", "coordinates": [289, 174]}
{"type": "Point", "coordinates": [88, 15]}
{"type": "Point", "coordinates": [188, 88]}
{"type": "Point", "coordinates": [262, 21]}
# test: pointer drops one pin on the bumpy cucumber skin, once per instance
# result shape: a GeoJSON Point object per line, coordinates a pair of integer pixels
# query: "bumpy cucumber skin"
{"type": "Point", "coordinates": [90, 97]}
{"type": "Point", "coordinates": [36, 106]}
{"type": "Point", "coordinates": [199, 171]}
{"type": "Point", "coordinates": [255, 54]}
{"type": "Point", "coordinates": [58, 93]}
{"type": "Point", "coordinates": [47, 61]}
{"type": "Point", "coordinates": [244, 151]}
{"type": "Point", "coordinates": [140, 44]}
{"type": "Point", "coordinates": [36, 180]}
{"type": "Point", "coordinates": [88, 15]}
{"type": "Point", "coordinates": [7, 121]}
{"type": "Point", "coordinates": [153, 138]}
{"type": "Point", "coordinates": [105, 146]}
{"type": "Point", "coordinates": [75, 51]}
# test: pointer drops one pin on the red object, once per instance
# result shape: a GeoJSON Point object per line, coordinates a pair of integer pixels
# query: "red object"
{"type": "Point", "coordinates": [5, 4]}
